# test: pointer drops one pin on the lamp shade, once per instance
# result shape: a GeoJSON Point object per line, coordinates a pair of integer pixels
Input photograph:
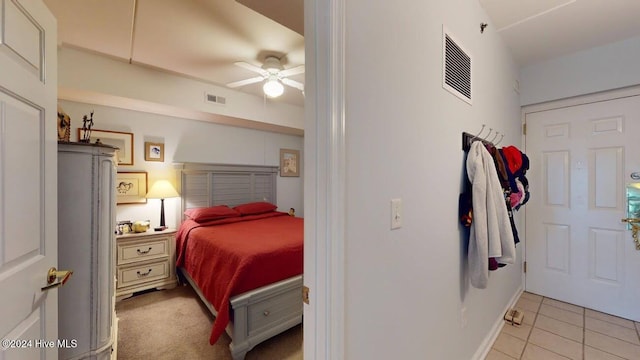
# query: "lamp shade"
{"type": "Point", "coordinates": [273, 88]}
{"type": "Point", "coordinates": [162, 189]}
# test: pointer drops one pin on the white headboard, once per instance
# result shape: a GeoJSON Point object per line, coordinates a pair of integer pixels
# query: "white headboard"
{"type": "Point", "coordinates": [203, 185]}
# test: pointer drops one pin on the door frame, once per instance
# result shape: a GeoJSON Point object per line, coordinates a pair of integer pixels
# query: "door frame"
{"type": "Point", "coordinates": [325, 177]}
{"type": "Point", "coordinates": [601, 96]}
{"type": "Point", "coordinates": [605, 95]}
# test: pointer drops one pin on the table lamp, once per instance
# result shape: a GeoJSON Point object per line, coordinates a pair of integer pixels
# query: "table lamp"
{"type": "Point", "coordinates": [162, 189]}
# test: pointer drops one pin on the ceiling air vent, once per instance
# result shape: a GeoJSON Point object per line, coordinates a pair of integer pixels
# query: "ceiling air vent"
{"type": "Point", "coordinates": [456, 74]}
{"type": "Point", "coordinates": [215, 99]}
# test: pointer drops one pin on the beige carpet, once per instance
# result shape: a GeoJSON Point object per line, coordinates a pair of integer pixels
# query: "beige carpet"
{"type": "Point", "coordinates": [173, 324]}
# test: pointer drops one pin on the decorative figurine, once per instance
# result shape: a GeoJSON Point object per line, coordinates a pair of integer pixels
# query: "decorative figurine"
{"type": "Point", "coordinates": [64, 126]}
{"type": "Point", "coordinates": [87, 124]}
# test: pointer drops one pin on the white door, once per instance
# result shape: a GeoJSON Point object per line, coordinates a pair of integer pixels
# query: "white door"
{"type": "Point", "coordinates": [28, 179]}
{"type": "Point", "coordinates": [577, 248]}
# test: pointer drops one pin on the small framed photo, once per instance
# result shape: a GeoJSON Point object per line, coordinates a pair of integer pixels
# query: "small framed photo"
{"type": "Point", "coordinates": [289, 162]}
{"type": "Point", "coordinates": [153, 151]}
{"type": "Point", "coordinates": [122, 140]}
{"type": "Point", "coordinates": [131, 188]}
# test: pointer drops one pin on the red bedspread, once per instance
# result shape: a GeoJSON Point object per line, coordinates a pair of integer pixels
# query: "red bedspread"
{"type": "Point", "coordinates": [234, 255]}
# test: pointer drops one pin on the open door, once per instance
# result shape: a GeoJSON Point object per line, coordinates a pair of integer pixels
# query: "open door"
{"type": "Point", "coordinates": [28, 180]}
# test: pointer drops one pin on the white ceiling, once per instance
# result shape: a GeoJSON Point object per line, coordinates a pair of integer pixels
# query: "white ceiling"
{"type": "Point", "coordinates": [198, 38]}
{"type": "Point", "coordinates": [538, 30]}
{"type": "Point", "coordinates": [203, 38]}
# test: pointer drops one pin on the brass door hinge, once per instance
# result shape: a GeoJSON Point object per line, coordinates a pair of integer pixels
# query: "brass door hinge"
{"type": "Point", "coordinates": [524, 129]}
{"type": "Point", "coordinates": [305, 295]}
{"type": "Point", "coordinates": [525, 267]}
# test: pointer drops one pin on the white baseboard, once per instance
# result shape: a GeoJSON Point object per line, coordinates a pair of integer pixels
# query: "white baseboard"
{"type": "Point", "coordinates": [491, 337]}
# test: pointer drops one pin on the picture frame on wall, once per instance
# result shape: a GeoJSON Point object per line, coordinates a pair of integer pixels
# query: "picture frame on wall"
{"type": "Point", "coordinates": [153, 151]}
{"type": "Point", "coordinates": [122, 140]}
{"type": "Point", "coordinates": [131, 187]}
{"type": "Point", "coordinates": [289, 162]}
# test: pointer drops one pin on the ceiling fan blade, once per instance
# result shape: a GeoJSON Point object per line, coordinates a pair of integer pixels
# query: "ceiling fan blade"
{"type": "Point", "coordinates": [293, 83]}
{"type": "Point", "coordinates": [245, 82]}
{"type": "Point", "coordinates": [253, 68]}
{"type": "Point", "coordinates": [293, 71]}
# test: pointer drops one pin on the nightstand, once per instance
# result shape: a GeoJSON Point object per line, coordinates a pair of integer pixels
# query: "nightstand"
{"type": "Point", "coordinates": [145, 261]}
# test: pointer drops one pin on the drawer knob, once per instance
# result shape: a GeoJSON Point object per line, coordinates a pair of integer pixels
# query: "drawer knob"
{"type": "Point", "coordinates": [143, 252]}
{"type": "Point", "coordinates": [266, 313]}
{"type": "Point", "coordinates": [140, 275]}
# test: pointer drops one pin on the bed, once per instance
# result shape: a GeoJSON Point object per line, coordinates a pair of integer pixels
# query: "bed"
{"type": "Point", "coordinates": [246, 266]}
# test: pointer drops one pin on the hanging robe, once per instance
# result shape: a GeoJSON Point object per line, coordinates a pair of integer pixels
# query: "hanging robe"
{"type": "Point", "coordinates": [490, 233]}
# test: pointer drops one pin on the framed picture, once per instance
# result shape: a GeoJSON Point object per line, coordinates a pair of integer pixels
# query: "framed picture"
{"type": "Point", "coordinates": [131, 188]}
{"type": "Point", "coordinates": [122, 140]}
{"type": "Point", "coordinates": [153, 151]}
{"type": "Point", "coordinates": [289, 162]}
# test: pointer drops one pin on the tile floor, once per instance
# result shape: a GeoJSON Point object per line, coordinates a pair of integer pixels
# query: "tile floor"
{"type": "Point", "coordinates": [556, 330]}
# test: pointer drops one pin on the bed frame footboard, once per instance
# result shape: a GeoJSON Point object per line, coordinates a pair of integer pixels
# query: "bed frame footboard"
{"type": "Point", "coordinates": [259, 314]}
{"type": "Point", "coordinates": [263, 313]}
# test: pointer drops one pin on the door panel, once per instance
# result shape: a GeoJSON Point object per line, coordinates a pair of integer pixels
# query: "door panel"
{"type": "Point", "coordinates": [557, 248]}
{"type": "Point", "coordinates": [22, 233]}
{"type": "Point", "coordinates": [22, 38]}
{"type": "Point", "coordinates": [605, 175]}
{"type": "Point", "coordinates": [606, 256]}
{"type": "Point", "coordinates": [556, 173]}
{"type": "Point", "coordinates": [28, 178]}
{"type": "Point", "coordinates": [577, 248]}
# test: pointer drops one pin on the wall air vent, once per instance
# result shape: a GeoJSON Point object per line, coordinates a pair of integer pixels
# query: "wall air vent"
{"type": "Point", "coordinates": [214, 99]}
{"type": "Point", "coordinates": [456, 72]}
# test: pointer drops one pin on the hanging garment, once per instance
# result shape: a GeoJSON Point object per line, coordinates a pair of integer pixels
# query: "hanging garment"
{"type": "Point", "coordinates": [501, 166]}
{"type": "Point", "coordinates": [516, 165]}
{"type": "Point", "coordinates": [465, 214]}
{"type": "Point", "coordinates": [505, 166]}
{"type": "Point", "coordinates": [514, 230]}
{"type": "Point", "coordinates": [490, 234]}
{"type": "Point", "coordinates": [525, 198]}
{"type": "Point", "coordinates": [465, 210]}
{"type": "Point", "coordinates": [515, 198]}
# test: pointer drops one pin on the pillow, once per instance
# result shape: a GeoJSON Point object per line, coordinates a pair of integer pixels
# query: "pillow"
{"type": "Point", "coordinates": [255, 208]}
{"type": "Point", "coordinates": [211, 213]}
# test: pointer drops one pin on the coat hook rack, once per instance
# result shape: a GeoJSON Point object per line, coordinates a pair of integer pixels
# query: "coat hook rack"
{"type": "Point", "coordinates": [494, 138]}
{"type": "Point", "coordinates": [489, 134]}
{"type": "Point", "coordinates": [481, 130]}
{"type": "Point", "coordinates": [468, 138]}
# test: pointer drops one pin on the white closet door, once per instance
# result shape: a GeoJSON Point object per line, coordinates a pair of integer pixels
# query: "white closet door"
{"type": "Point", "coordinates": [577, 248]}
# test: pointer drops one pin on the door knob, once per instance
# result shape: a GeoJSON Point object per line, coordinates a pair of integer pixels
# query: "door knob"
{"type": "Point", "coordinates": [634, 230]}
{"type": "Point", "coordinates": [631, 220]}
{"type": "Point", "coordinates": [61, 276]}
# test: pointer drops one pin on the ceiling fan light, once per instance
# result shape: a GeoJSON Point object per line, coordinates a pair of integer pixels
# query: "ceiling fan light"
{"type": "Point", "coordinates": [273, 88]}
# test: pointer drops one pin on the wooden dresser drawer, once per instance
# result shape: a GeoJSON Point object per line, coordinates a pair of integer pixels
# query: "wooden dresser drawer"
{"type": "Point", "coordinates": [137, 274]}
{"type": "Point", "coordinates": [142, 250]}
{"type": "Point", "coordinates": [145, 261]}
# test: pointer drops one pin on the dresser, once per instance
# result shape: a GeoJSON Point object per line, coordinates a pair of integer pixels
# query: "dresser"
{"type": "Point", "coordinates": [86, 245]}
{"type": "Point", "coordinates": [145, 261]}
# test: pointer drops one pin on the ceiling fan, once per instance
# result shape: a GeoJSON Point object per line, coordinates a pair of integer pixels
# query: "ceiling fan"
{"type": "Point", "coordinates": [273, 74]}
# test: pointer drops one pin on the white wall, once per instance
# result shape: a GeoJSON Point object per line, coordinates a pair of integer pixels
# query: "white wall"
{"type": "Point", "coordinates": [87, 71]}
{"type": "Point", "coordinates": [188, 140]}
{"type": "Point", "coordinates": [598, 69]}
{"type": "Point", "coordinates": [405, 288]}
